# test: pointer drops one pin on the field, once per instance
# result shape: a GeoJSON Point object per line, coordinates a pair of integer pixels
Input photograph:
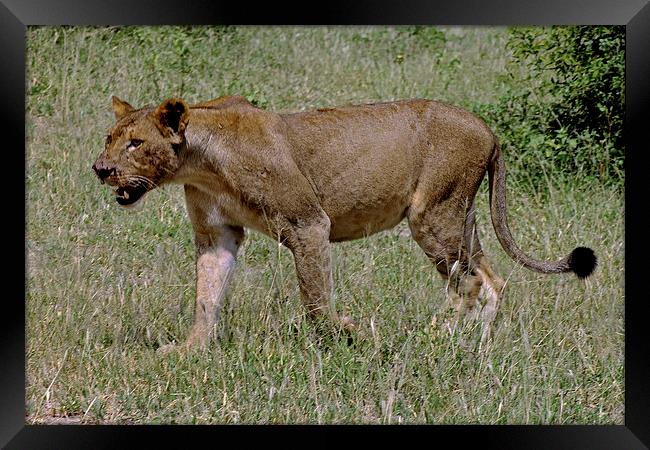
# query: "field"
{"type": "Point", "coordinates": [106, 287]}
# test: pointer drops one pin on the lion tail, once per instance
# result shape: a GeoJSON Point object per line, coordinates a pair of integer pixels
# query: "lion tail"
{"type": "Point", "coordinates": [582, 261]}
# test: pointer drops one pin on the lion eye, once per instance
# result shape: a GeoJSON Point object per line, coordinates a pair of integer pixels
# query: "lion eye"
{"type": "Point", "coordinates": [133, 144]}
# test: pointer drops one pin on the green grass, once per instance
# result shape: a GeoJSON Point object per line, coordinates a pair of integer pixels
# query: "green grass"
{"type": "Point", "coordinates": [107, 286]}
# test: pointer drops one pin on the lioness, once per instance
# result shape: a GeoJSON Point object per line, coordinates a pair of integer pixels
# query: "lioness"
{"type": "Point", "coordinates": [311, 178]}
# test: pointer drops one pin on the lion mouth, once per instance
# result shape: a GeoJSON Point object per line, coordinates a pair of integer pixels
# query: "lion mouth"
{"type": "Point", "coordinates": [128, 195]}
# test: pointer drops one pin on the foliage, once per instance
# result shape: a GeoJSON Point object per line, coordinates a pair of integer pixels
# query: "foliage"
{"type": "Point", "coordinates": [563, 104]}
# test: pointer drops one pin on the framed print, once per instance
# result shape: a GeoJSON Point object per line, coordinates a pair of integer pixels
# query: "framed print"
{"type": "Point", "coordinates": [130, 319]}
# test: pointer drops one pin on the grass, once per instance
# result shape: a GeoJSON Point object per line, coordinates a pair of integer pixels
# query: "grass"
{"type": "Point", "coordinates": [106, 287]}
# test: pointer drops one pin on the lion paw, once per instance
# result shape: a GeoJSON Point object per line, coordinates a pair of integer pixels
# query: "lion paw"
{"type": "Point", "coordinates": [347, 323]}
{"type": "Point", "coordinates": [170, 348]}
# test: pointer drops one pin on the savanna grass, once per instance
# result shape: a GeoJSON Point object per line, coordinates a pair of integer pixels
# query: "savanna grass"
{"type": "Point", "coordinates": [106, 287]}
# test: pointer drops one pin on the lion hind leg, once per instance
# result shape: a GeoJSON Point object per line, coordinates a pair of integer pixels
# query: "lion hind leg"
{"type": "Point", "coordinates": [469, 278]}
{"type": "Point", "coordinates": [492, 290]}
{"type": "Point", "coordinates": [445, 249]}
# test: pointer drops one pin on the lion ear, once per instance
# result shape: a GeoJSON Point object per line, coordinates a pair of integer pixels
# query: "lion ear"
{"type": "Point", "coordinates": [120, 107]}
{"type": "Point", "coordinates": [173, 114]}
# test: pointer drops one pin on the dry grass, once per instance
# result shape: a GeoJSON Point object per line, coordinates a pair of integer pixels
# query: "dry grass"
{"type": "Point", "coordinates": [106, 287]}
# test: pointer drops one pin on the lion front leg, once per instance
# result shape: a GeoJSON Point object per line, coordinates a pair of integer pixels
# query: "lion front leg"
{"type": "Point", "coordinates": [311, 251]}
{"type": "Point", "coordinates": [215, 263]}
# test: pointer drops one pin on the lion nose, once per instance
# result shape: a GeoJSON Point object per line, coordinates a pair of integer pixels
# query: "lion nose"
{"type": "Point", "coordinates": [103, 172]}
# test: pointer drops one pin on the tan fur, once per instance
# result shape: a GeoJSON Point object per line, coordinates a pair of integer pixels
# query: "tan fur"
{"type": "Point", "coordinates": [311, 178]}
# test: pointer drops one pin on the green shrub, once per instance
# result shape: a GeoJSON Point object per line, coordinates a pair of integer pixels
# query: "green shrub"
{"type": "Point", "coordinates": [563, 105]}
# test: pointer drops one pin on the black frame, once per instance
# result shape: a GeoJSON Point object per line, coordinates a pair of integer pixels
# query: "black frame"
{"type": "Point", "coordinates": [15, 15]}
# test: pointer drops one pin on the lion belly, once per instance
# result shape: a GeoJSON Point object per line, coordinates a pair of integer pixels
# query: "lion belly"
{"type": "Point", "coordinates": [367, 192]}
{"type": "Point", "coordinates": [367, 204]}
{"type": "Point", "coordinates": [363, 223]}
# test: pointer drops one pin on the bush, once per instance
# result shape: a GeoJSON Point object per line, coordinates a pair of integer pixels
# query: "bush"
{"type": "Point", "coordinates": [563, 107]}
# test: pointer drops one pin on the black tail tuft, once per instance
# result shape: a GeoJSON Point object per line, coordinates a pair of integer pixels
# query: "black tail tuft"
{"type": "Point", "coordinates": [582, 261]}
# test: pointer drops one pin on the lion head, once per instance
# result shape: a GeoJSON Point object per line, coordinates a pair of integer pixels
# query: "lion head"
{"type": "Point", "coordinates": [141, 150]}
